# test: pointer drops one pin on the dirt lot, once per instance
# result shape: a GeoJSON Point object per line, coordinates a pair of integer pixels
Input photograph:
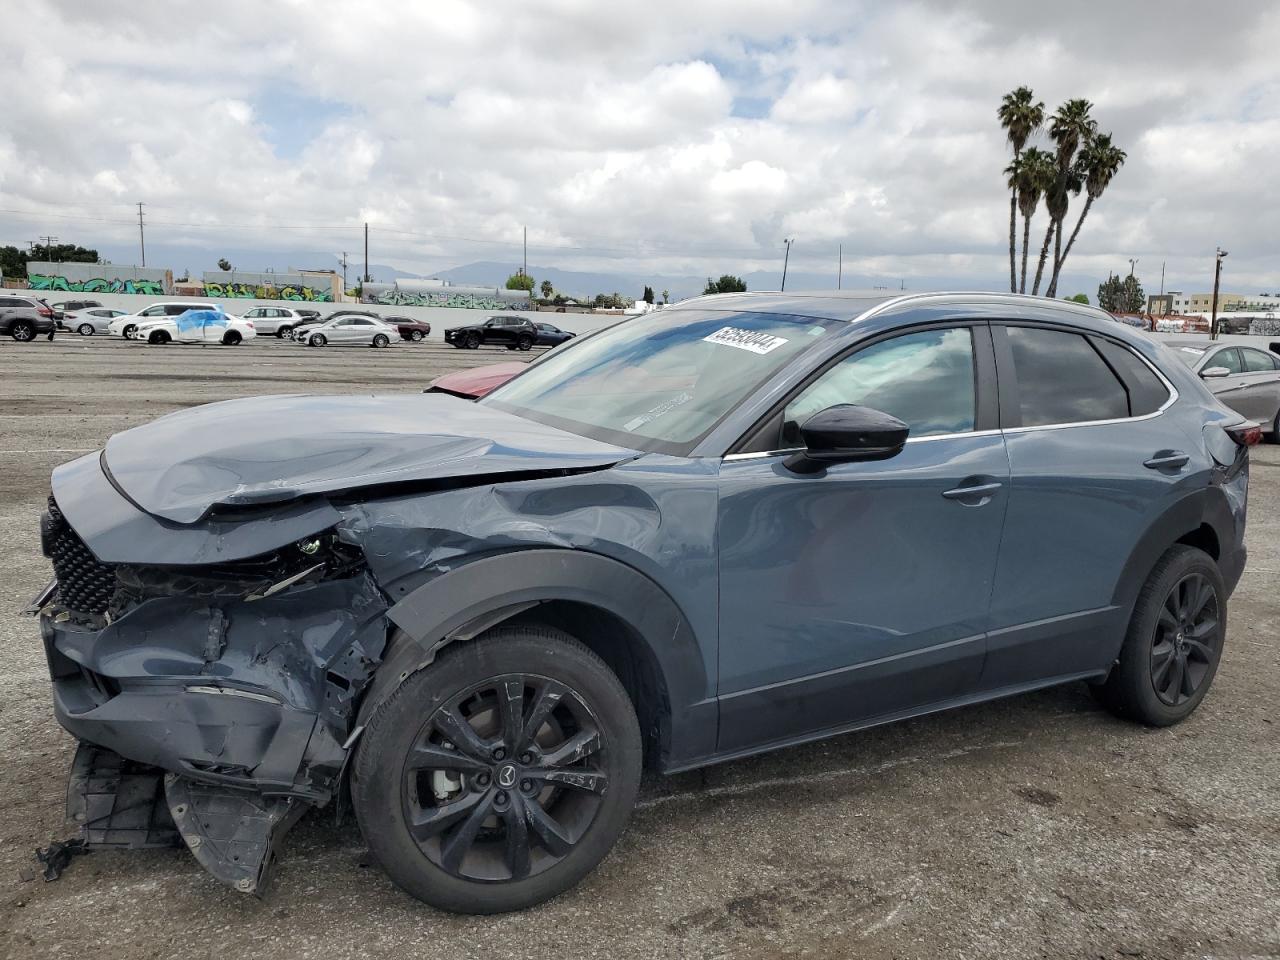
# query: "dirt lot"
{"type": "Point", "coordinates": [1034, 827]}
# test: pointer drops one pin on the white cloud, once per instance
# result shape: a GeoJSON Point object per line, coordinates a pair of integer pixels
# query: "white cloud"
{"type": "Point", "coordinates": [631, 136]}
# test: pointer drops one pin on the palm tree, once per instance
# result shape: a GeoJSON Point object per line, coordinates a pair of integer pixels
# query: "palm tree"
{"type": "Point", "coordinates": [1071, 125]}
{"type": "Point", "coordinates": [1098, 163]}
{"type": "Point", "coordinates": [1020, 115]}
{"type": "Point", "coordinates": [547, 289]}
{"type": "Point", "coordinates": [1029, 175]}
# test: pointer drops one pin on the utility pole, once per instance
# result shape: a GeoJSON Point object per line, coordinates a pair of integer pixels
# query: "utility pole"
{"type": "Point", "coordinates": [1162, 263]}
{"type": "Point", "coordinates": [142, 237]}
{"type": "Point", "coordinates": [786, 257]}
{"type": "Point", "coordinates": [524, 270]}
{"type": "Point", "coordinates": [344, 272]}
{"type": "Point", "coordinates": [840, 268]}
{"type": "Point", "coordinates": [366, 255]}
{"type": "Point", "coordinates": [1217, 275]}
{"type": "Point", "coordinates": [48, 247]}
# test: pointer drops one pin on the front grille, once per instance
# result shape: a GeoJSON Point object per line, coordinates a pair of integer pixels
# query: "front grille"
{"type": "Point", "coordinates": [84, 584]}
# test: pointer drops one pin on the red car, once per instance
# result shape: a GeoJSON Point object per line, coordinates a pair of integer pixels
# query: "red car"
{"type": "Point", "coordinates": [410, 329]}
{"type": "Point", "coordinates": [477, 381]}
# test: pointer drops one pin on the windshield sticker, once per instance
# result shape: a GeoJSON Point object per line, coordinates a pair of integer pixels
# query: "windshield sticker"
{"type": "Point", "coordinates": [666, 407]}
{"type": "Point", "coordinates": [745, 340]}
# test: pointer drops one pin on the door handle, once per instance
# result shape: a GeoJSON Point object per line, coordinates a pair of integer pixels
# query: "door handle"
{"type": "Point", "coordinates": [982, 491]}
{"type": "Point", "coordinates": [1167, 460]}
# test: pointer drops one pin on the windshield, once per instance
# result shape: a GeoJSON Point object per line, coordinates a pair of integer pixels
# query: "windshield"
{"type": "Point", "coordinates": [661, 381]}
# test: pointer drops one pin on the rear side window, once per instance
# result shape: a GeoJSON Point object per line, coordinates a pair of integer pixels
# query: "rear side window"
{"type": "Point", "coordinates": [1062, 379]}
{"type": "Point", "coordinates": [1147, 393]}
{"type": "Point", "coordinates": [1255, 361]}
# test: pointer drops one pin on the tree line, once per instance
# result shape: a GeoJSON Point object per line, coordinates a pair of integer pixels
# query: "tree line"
{"type": "Point", "coordinates": [1080, 160]}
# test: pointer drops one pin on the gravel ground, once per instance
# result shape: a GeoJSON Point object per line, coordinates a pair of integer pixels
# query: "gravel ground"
{"type": "Point", "coordinates": [1033, 827]}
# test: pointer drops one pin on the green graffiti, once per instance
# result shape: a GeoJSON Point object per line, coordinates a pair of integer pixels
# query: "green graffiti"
{"type": "Point", "coordinates": [150, 288]}
{"type": "Point", "coordinates": [251, 291]}
{"type": "Point", "coordinates": [466, 301]}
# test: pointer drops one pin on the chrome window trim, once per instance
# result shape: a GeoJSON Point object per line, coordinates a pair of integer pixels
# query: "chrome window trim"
{"type": "Point", "coordinates": [1172, 399]}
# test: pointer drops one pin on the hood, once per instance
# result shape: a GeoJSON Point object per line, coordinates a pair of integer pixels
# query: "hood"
{"type": "Point", "coordinates": [274, 449]}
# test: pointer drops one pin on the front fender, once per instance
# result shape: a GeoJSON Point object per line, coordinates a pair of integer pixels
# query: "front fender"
{"type": "Point", "coordinates": [479, 594]}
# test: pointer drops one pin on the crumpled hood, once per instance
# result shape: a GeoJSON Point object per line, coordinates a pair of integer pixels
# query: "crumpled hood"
{"type": "Point", "coordinates": [272, 449]}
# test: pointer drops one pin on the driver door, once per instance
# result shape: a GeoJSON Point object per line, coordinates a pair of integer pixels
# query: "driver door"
{"type": "Point", "coordinates": [863, 591]}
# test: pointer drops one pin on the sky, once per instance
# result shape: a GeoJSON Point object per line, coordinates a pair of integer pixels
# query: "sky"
{"type": "Point", "coordinates": [655, 137]}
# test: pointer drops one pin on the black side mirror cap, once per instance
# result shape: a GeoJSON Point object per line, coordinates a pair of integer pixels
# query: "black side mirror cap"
{"type": "Point", "coordinates": [846, 433]}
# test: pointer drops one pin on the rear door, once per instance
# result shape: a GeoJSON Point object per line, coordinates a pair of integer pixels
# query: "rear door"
{"type": "Point", "coordinates": [1094, 461]}
{"type": "Point", "coordinates": [1261, 386]}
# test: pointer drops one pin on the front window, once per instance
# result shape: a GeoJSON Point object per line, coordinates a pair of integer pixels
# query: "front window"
{"type": "Point", "coordinates": [660, 382]}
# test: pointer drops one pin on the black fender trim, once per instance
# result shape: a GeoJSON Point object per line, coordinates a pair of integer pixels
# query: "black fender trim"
{"type": "Point", "coordinates": [1186, 516]}
{"type": "Point", "coordinates": [472, 598]}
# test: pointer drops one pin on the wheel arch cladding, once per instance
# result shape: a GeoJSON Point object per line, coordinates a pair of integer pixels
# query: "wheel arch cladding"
{"type": "Point", "coordinates": [621, 614]}
{"type": "Point", "coordinates": [1202, 519]}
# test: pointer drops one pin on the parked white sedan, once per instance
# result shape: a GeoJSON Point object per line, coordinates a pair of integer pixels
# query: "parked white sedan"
{"type": "Point", "coordinates": [91, 320]}
{"type": "Point", "coordinates": [349, 330]}
{"type": "Point", "coordinates": [197, 326]}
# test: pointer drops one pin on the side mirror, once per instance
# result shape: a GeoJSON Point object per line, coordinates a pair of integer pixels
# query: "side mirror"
{"type": "Point", "coordinates": [847, 432]}
{"type": "Point", "coordinates": [1214, 373]}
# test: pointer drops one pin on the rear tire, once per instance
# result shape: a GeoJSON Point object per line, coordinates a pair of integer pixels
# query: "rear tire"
{"type": "Point", "coordinates": [24, 331]}
{"type": "Point", "coordinates": [381, 340]}
{"type": "Point", "coordinates": [531, 835]}
{"type": "Point", "coordinates": [85, 330]}
{"type": "Point", "coordinates": [231, 338]}
{"type": "Point", "coordinates": [1174, 643]}
{"type": "Point", "coordinates": [416, 336]}
{"type": "Point", "coordinates": [284, 333]}
{"type": "Point", "coordinates": [524, 343]}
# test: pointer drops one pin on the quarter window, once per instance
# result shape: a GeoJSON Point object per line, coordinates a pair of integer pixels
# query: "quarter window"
{"type": "Point", "coordinates": [924, 379]}
{"type": "Point", "coordinates": [1062, 379]}
{"type": "Point", "coordinates": [1255, 361]}
{"type": "Point", "coordinates": [1147, 393]}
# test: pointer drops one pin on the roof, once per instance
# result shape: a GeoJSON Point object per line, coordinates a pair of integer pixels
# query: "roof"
{"type": "Point", "coordinates": [851, 304]}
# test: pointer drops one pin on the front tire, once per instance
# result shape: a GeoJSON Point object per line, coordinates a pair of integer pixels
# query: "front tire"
{"type": "Point", "coordinates": [500, 775]}
{"type": "Point", "coordinates": [158, 338]}
{"type": "Point", "coordinates": [1174, 642]}
{"type": "Point", "coordinates": [129, 331]}
{"type": "Point", "coordinates": [472, 341]}
{"type": "Point", "coordinates": [317, 340]}
{"type": "Point", "coordinates": [85, 330]}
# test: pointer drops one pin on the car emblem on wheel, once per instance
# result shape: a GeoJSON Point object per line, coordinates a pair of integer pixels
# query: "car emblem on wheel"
{"type": "Point", "coordinates": [507, 776]}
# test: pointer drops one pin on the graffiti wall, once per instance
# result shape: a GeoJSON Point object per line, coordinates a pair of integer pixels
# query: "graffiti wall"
{"type": "Point", "coordinates": [251, 291]}
{"type": "Point", "coordinates": [473, 301]}
{"type": "Point", "coordinates": [44, 281]}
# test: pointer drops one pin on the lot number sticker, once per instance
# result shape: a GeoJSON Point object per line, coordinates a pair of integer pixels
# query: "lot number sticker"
{"type": "Point", "coordinates": [745, 339]}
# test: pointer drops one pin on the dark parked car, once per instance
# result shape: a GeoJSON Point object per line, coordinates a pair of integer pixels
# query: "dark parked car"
{"type": "Point", "coordinates": [514, 333]}
{"type": "Point", "coordinates": [1245, 378]}
{"type": "Point", "coordinates": [23, 318]}
{"type": "Point", "coordinates": [410, 329]}
{"type": "Point", "coordinates": [744, 522]}
{"type": "Point", "coordinates": [549, 335]}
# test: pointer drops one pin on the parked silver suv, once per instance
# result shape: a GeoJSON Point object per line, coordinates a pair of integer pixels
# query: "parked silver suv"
{"type": "Point", "coordinates": [24, 317]}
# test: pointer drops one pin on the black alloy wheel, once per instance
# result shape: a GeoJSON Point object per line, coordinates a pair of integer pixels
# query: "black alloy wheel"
{"type": "Point", "coordinates": [472, 341]}
{"type": "Point", "coordinates": [158, 337]}
{"type": "Point", "coordinates": [505, 778]}
{"type": "Point", "coordinates": [1186, 644]}
{"type": "Point", "coordinates": [500, 775]}
{"type": "Point", "coordinates": [231, 338]}
{"type": "Point", "coordinates": [24, 331]}
{"type": "Point", "coordinates": [1174, 642]}
{"type": "Point", "coordinates": [525, 342]}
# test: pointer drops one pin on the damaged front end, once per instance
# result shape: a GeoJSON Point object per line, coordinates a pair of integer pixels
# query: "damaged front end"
{"type": "Point", "coordinates": [230, 689]}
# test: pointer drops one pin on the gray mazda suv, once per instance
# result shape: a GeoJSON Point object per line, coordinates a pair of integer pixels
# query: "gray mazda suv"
{"type": "Point", "coordinates": [740, 523]}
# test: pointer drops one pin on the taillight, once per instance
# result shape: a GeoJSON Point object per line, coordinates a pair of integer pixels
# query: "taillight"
{"type": "Point", "coordinates": [44, 311]}
{"type": "Point", "coordinates": [1245, 434]}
